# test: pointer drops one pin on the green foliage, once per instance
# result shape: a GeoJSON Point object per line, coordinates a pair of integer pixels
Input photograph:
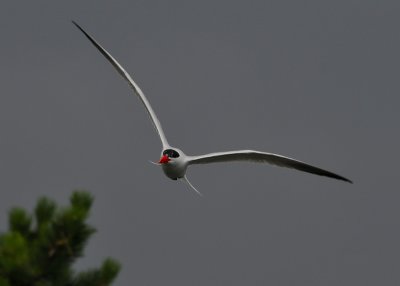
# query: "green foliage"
{"type": "Point", "coordinates": [103, 276]}
{"type": "Point", "coordinates": [39, 249]}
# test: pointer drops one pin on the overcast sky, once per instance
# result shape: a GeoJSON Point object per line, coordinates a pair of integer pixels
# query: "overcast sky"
{"type": "Point", "coordinates": [314, 80]}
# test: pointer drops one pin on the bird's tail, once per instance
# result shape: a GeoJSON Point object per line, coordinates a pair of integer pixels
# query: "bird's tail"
{"type": "Point", "coordinates": [185, 179]}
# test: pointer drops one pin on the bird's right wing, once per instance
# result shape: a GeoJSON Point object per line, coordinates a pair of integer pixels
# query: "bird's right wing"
{"type": "Point", "coordinates": [134, 86]}
{"type": "Point", "coordinates": [262, 157]}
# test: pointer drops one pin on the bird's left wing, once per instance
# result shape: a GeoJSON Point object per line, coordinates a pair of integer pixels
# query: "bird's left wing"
{"type": "Point", "coordinates": [262, 157]}
{"type": "Point", "coordinates": [134, 86]}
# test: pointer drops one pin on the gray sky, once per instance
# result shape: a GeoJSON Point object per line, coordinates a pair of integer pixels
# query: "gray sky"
{"type": "Point", "coordinates": [314, 80]}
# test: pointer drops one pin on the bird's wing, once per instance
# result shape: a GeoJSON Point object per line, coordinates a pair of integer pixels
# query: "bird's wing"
{"type": "Point", "coordinates": [135, 87]}
{"type": "Point", "coordinates": [261, 157]}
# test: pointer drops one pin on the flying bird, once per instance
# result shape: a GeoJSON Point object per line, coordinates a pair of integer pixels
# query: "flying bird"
{"type": "Point", "coordinates": [175, 163]}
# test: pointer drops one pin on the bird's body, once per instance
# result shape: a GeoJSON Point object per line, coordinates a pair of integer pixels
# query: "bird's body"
{"type": "Point", "coordinates": [175, 163]}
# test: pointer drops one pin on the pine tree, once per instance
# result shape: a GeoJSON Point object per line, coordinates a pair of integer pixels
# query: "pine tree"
{"type": "Point", "coordinates": [40, 249]}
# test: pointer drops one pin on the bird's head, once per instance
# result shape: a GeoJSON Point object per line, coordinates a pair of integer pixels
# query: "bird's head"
{"type": "Point", "coordinates": [168, 155]}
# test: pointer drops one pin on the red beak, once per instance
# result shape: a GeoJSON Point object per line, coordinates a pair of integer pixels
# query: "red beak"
{"type": "Point", "coordinates": [164, 159]}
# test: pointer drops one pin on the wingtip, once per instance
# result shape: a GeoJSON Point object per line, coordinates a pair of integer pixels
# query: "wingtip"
{"type": "Point", "coordinates": [77, 25]}
{"type": "Point", "coordinates": [345, 180]}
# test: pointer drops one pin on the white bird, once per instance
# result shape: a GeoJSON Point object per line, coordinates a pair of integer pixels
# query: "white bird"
{"type": "Point", "coordinates": [175, 163]}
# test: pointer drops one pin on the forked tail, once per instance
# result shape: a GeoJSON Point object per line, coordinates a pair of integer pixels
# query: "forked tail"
{"type": "Point", "coordinates": [185, 179]}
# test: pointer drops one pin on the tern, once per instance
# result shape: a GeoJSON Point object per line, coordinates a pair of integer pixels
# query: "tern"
{"type": "Point", "coordinates": [175, 163]}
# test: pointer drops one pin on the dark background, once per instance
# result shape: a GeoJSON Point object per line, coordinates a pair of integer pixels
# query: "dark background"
{"type": "Point", "coordinates": [314, 80]}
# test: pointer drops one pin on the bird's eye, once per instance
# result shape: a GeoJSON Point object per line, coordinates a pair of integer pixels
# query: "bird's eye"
{"type": "Point", "coordinates": [171, 153]}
